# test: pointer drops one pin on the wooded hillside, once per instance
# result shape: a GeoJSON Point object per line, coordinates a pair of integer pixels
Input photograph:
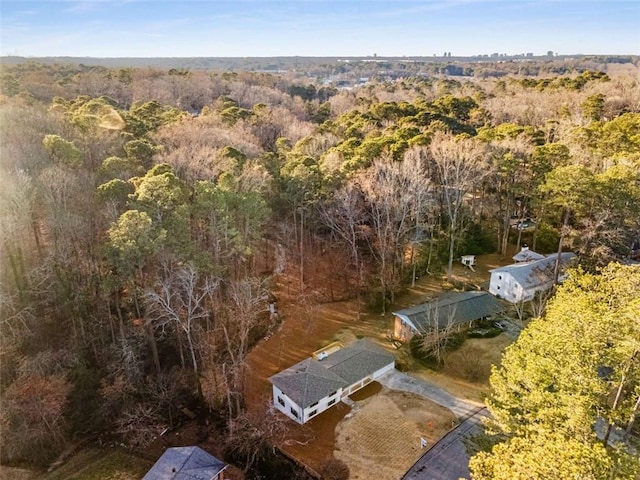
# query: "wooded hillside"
{"type": "Point", "coordinates": [143, 213]}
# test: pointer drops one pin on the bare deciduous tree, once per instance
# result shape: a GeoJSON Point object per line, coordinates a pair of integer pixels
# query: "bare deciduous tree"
{"type": "Point", "coordinates": [245, 306]}
{"type": "Point", "coordinates": [394, 192]}
{"type": "Point", "coordinates": [459, 165]}
{"type": "Point", "coordinates": [437, 341]}
{"type": "Point", "coordinates": [345, 216]}
{"type": "Point", "coordinates": [180, 300]}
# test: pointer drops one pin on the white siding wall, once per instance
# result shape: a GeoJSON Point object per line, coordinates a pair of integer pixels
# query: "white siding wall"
{"type": "Point", "coordinates": [384, 370]}
{"type": "Point", "coordinates": [367, 380]}
{"type": "Point", "coordinates": [322, 405]}
{"type": "Point", "coordinates": [503, 285]}
{"type": "Point", "coordinates": [286, 405]}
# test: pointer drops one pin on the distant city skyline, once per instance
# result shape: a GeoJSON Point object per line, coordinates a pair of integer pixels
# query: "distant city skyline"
{"type": "Point", "coordinates": [262, 28]}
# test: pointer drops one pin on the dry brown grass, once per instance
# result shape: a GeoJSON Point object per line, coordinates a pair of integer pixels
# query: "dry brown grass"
{"type": "Point", "coordinates": [383, 433]}
{"type": "Point", "coordinates": [374, 438]}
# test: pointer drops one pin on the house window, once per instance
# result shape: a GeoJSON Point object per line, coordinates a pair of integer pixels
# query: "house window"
{"type": "Point", "coordinates": [313, 404]}
{"type": "Point", "coordinates": [294, 412]}
{"type": "Point", "coordinates": [331, 402]}
{"type": "Point", "coordinates": [281, 401]}
{"type": "Point", "coordinates": [332, 394]}
{"type": "Point", "coordinates": [498, 287]}
{"type": "Point", "coordinates": [499, 277]}
{"type": "Point", "coordinates": [312, 413]}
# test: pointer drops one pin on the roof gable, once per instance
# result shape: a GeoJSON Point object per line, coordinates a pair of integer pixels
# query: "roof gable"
{"type": "Point", "coordinates": [456, 307]}
{"type": "Point", "coordinates": [307, 382]}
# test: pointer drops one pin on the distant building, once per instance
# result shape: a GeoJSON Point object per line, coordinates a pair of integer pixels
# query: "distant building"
{"type": "Point", "coordinates": [521, 281]}
{"type": "Point", "coordinates": [186, 463]}
{"type": "Point", "coordinates": [451, 309]}
{"type": "Point", "coordinates": [526, 255]}
{"type": "Point", "coordinates": [310, 387]}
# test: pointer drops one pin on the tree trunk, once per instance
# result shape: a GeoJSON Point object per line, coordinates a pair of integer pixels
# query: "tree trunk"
{"type": "Point", "coordinates": [505, 233]}
{"type": "Point", "coordinates": [154, 349]}
{"type": "Point", "coordinates": [451, 250]}
{"type": "Point", "coordinates": [613, 407]}
{"type": "Point", "coordinates": [301, 250]}
{"type": "Point", "coordinates": [632, 419]}
{"type": "Point", "coordinates": [565, 223]}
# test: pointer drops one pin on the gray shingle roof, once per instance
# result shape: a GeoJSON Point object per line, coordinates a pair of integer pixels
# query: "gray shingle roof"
{"type": "Point", "coordinates": [534, 274]}
{"type": "Point", "coordinates": [526, 255]}
{"type": "Point", "coordinates": [456, 307]}
{"type": "Point", "coordinates": [185, 463]}
{"type": "Point", "coordinates": [307, 382]}
{"type": "Point", "coordinates": [312, 380]}
{"type": "Point", "coordinates": [357, 361]}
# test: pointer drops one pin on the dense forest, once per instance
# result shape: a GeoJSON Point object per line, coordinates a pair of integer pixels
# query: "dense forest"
{"type": "Point", "coordinates": [144, 213]}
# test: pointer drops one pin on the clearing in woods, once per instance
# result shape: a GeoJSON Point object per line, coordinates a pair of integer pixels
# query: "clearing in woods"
{"type": "Point", "coordinates": [382, 431]}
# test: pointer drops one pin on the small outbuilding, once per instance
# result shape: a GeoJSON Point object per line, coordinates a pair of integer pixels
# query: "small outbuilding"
{"type": "Point", "coordinates": [468, 260]}
{"type": "Point", "coordinates": [451, 309]}
{"type": "Point", "coordinates": [186, 463]}
{"type": "Point", "coordinates": [310, 387]}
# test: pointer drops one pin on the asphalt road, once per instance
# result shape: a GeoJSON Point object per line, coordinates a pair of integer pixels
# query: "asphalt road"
{"type": "Point", "coordinates": [448, 459]}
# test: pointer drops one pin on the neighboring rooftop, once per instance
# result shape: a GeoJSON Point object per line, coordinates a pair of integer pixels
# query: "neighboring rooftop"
{"type": "Point", "coordinates": [185, 463]}
{"type": "Point", "coordinates": [538, 272]}
{"type": "Point", "coordinates": [526, 255]}
{"type": "Point", "coordinates": [311, 380]}
{"type": "Point", "coordinates": [458, 307]}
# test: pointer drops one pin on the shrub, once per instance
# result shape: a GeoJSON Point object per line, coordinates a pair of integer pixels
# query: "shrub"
{"type": "Point", "coordinates": [334, 469]}
{"type": "Point", "coordinates": [488, 332]}
{"type": "Point", "coordinates": [431, 349]}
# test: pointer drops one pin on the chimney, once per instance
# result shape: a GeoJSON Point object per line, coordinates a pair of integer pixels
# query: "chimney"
{"type": "Point", "coordinates": [525, 247]}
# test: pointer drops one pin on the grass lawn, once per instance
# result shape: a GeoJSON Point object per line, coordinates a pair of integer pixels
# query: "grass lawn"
{"type": "Point", "coordinates": [100, 464]}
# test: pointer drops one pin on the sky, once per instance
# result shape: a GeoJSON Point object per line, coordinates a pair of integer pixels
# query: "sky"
{"type": "Point", "coordinates": [262, 28]}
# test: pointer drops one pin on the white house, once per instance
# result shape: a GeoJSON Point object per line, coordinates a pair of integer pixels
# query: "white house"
{"type": "Point", "coordinates": [310, 387]}
{"type": "Point", "coordinates": [451, 309]}
{"type": "Point", "coordinates": [520, 282]}
{"type": "Point", "coordinates": [179, 463]}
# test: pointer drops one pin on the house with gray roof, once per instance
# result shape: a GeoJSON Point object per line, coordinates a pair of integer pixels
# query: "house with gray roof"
{"type": "Point", "coordinates": [521, 281]}
{"type": "Point", "coordinates": [527, 255]}
{"type": "Point", "coordinates": [186, 463]}
{"type": "Point", "coordinates": [451, 309]}
{"type": "Point", "coordinates": [310, 387]}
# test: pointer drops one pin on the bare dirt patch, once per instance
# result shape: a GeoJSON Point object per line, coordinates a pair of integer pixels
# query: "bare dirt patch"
{"type": "Point", "coordinates": [311, 322]}
{"type": "Point", "coordinates": [383, 433]}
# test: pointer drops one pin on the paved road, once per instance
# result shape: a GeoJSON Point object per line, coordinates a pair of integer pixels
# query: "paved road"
{"type": "Point", "coordinates": [396, 380]}
{"type": "Point", "coordinates": [448, 459]}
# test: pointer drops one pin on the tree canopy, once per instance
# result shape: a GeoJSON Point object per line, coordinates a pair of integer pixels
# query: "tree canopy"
{"type": "Point", "coordinates": [568, 382]}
